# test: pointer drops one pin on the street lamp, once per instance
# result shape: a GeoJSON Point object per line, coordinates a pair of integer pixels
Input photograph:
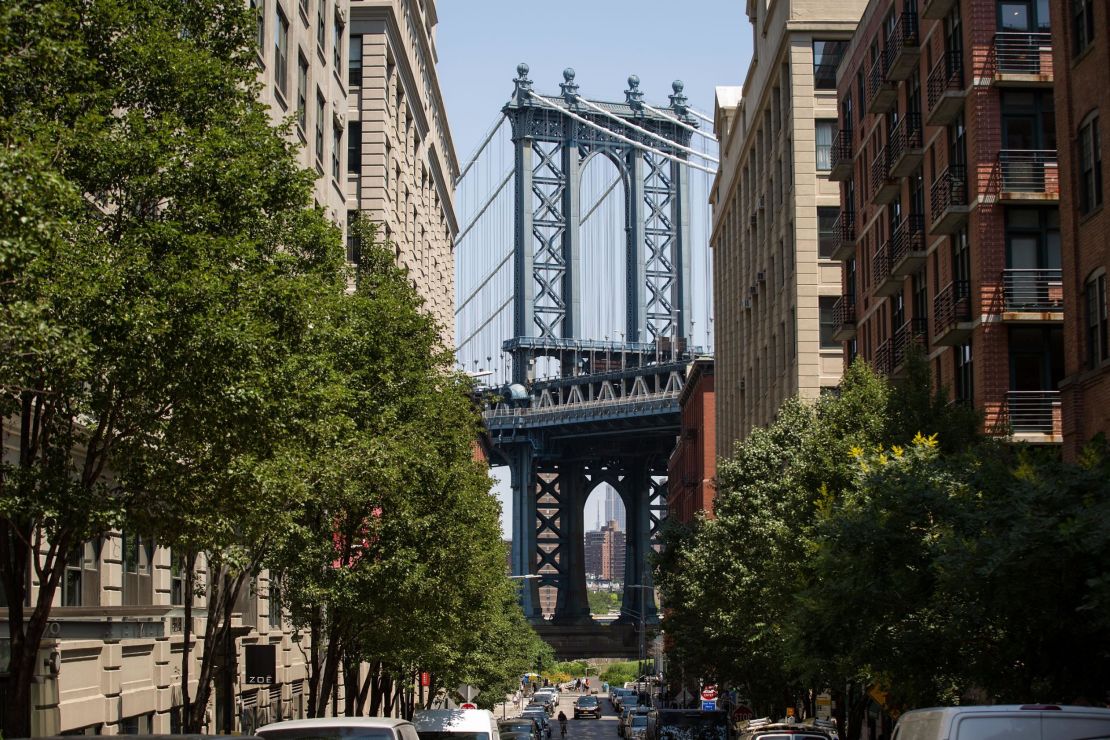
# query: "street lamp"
{"type": "Point", "coordinates": [643, 635]}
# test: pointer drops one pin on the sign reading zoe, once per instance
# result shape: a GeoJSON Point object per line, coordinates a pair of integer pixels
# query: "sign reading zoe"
{"type": "Point", "coordinates": [261, 664]}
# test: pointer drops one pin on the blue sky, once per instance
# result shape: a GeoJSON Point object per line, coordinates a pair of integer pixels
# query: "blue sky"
{"type": "Point", "coordinates": [704, 43]}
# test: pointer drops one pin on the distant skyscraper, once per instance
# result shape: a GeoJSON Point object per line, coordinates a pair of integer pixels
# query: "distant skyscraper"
{"type": "Point", "coordinates": [614, 508]}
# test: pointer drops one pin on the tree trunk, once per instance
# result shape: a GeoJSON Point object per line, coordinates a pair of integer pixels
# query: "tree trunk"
{"type": "Point", "coordinates": [221, 598]}
{"type": "Point", "coordinates": [329, 673]}
{"type": "Point", "coordinates": [364, 690]}
{"type": "Point", "coordinates": [315, 631]}
{"type": "Point", "coordinates": [186, 647]}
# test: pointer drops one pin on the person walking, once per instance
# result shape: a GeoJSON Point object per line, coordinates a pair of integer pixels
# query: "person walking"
{"type": "Point", "coordinates": [563, 722]}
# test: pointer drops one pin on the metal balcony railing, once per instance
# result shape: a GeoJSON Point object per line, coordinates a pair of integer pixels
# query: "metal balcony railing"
{"type": "Point", "coordinates": [881, 264]}
{"type": "Point", "coordinates": [1023, 53]}
{"type": "Point", "coordinates": [882, 92]}
{"type": "Point", "coordinates": [880, 169]}
{"type": "Point", "coordinates": [905, 138]}
{"type": "Point", "coordinates": [947, 75]}
{"type": "Point", "coordinates": [845, 228]}
{"type": "Point", "coordinates": [1029, 171]}
{"type": "Point", "coordinates": [908, 236]}
{"type": "Point", "coordinates": [881, 360]}
{"type": "Point", "coordinates": [841, 156]}
{"type": "Point", "coordinates": [910, 334]}
{"type": "Point", "coordinates": [952, 305]}
{"type": "Point", "coordinates": [1033, 289]}
{"type": "Point", "coordinates": [844, 311]}
{"type": "Point", "coordinates": [948, 189]}
{"type": "Point", "coordinates": [904, 32]}
{"type": "Point", "coordinates": [1032, 412]}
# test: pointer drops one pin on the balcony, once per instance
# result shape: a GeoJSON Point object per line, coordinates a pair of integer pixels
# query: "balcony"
{"type": "Point", "coordinates": [884, 282]}
{"type": "Point", "coordinates": [882, 92]}
{"type": "Point", "coordinates": [913, 333]}
{"type": "Point", "coordinates": [1022, 175]}
{"type": "Point", "coordinates": [844, 315]}
{"type": "Point", "coordinates": [845, 229]}
{"type": "Point", "coordinates": [952, 314]}
{"type": "Point", "coordinates": [1035, 413]}
{"type": "Point", "coordinates": [1032, 295]}
{"type": "Point", "coordinates": [881, 361]}
{"type": "Point", "coordinates": [903, 47]}
{"type": "Point", "coordinates": [948, 200]}
{"type": "Point", "coordinates": [936, 9]}
{"type": "Point", "coordinates": [905, 149]}
{"type": "Point", "coordinates": [884, 188]}
{"type": "Point", "coordinates": [907, 247]}
{"type": "Point", "coordinates": [841, 155]}
{"type": "Point", "coordinates": [1022, 59]}
{"type": "Point", "coordinates": [945, 89]}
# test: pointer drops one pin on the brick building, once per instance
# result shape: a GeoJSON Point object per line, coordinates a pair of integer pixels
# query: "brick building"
{"type": "Point", "coordinates": [1081, 59]}
{"type": "Point", "coordinates": [604, 551]}
{"type": "Point", "coordinates": [693, 464]}
{"type": "Point", "coordinates": [950, 227]}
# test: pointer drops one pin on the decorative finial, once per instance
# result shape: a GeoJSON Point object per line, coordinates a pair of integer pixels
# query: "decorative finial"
{"type": "Point", "coordinates": [522, 86]}
{"type": "Point", "coordinates": [678, 100]}
{"type": "Point", "coordinates": [569, 88]}
{"type": "Point", "coordinates": [633, 96]}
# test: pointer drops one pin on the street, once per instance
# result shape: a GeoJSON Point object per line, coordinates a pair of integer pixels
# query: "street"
{"type": "Point", "coordinates": [587, 729]}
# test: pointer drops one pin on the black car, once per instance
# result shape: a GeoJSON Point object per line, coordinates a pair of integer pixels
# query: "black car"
{"type": "Point", "coordinates": [587, 706]}
{"type": "Point", "coordinates": [518, 725]}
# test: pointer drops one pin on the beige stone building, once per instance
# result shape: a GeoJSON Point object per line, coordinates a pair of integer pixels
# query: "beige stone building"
{"type": "Point", "coordinates": [303, 69]}
{"type": "Point", "coordinates": [402, 164]}
{"type": "Point", "coordinates": [359, 82]}
{"type": "Point", "coordinates": [773, 209]}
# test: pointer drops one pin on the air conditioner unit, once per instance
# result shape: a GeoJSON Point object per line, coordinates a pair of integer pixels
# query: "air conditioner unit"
{"type": "Point", "coordinates": [752, 290]}
{"type": "Point", "coordinates": [742, 384]}
{"type": "Point", "coordinates": [761, 276]}
{"type": "Point", "coordinates": [761, 203]}
{"type": "Point", "coordinates": [747, 303]}
{"type": "Point", "coordinates": [753, 219]}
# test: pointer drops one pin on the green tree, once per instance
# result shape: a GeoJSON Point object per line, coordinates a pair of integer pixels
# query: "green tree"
{"type": "Point", "coordinates": [162, 244]}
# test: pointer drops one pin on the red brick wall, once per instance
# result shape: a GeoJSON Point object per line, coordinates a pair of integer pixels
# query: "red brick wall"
{"type": "Point", "coordinates": [1081, 87]}
{"type": "Point", "coordinates": [693, 465]}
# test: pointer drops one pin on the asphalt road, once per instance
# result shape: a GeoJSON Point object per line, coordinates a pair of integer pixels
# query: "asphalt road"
{"type": "Point", "coordinates": [587, 729]}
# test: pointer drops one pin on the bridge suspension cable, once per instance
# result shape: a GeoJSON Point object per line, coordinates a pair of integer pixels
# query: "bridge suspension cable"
{"type": "Point", "coordinates": [701, 115]}
{"type": "Point", "coordinates": [478, 216]}
{"type": "Point", "coordinates": [481, 147]}
{"type": "Point", "coordinates": [643, 130]}
{"type": "Point", "coordinates": [621, 137]}
{"type": "Point", "coordinates": [683, 124]}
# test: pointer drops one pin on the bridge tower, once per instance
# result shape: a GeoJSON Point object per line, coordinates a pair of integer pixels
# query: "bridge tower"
{"type": "Point", "coordinates": [601, 411]}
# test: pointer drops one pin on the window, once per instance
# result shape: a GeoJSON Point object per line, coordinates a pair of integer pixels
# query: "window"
{"type": "Point", "coordinates": [827, 321]}
{"type": "Point", "coordinates": [336, 143]}
{"type": "Point", "coordinates": [824, 133]}
{"type": "Point", "coordinates": [965, 392]}
{"type": "Point", "coordinates": [1090, 166]}
{"type": "Point", "coordinates": [354, 62]}
{"type": "Point", "coordinates": [1098, 341]}
{"type": "Point", "coordinates": [1083, 24]}
{"type": "Point", "coordinates": [337, 44]}
{"type": "Point", "coordinates": [826, 58]}
{"type": "Point", "coordinates": [177, 580]}
{"type": "Point", "coordinates": [302, 93]}
{"type": "Point", "coordinates": [260, 24]}
{"type": "Point", "coordinates": [321, 25]}
{"type": "Point", "coordinates": [319, 132]}
{"type": "Point", "coordinates": [354, 245]}
{"type": "Point", "coordinates": [354, 147]}
{"type": "Point", "coordinates": [137, 555]}
{"type": "Point", "coordinates": [274, 606]}
{"type": "Point", "coordinates": [281, 47]}
{"type": "Point", "coordinates": [826, 232]}
{"type": "Point", "coordinates": [71, 581]}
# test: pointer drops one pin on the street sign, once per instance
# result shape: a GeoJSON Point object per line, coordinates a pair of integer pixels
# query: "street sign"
{"type": "Point", "coordinates": [742, 713]}
{"type": "Point", "coordinates": [261, 664]}
{"type": "Point", "coordinates": [468, 692]}
{"type": "Point", "coordinates": [468, 705]}
{"type": "Point", "coordinates": [709, 693]}
{"type": "Point", "coordinates": [709, 705]}
{"type": "Point", "coordinates": [824, 705]}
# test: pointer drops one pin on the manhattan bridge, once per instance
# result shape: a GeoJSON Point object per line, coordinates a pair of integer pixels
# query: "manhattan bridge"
{"type": "Point", "coordinates": [583, 284]}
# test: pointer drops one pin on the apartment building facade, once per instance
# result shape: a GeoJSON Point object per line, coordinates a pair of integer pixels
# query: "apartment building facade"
{"type": "Point", "coordinates": [773, 207]}
{"type": "Point", "coordinates": [401, 163]}
{"type": "Point", "coordinates": [950, 222]}
{"type": "Point", "coordinates": [604, 553]}
{"type": "Point", "coordinates": [692, 468]}
{"type": "Point", "coordinates": [1081, 60]}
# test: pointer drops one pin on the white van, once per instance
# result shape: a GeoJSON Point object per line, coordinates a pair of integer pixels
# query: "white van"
{"type": "Point", "coordinates": [1026, 722]}
{"type": "Point", "coordinates": [456, 724]}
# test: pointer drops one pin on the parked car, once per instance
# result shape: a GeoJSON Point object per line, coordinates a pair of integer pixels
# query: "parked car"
{"type": "Point", "coordinates": [456, 724]}
{"type": "Point", "coordinates": [765, 729]}
{"type": "Point", "coordinates": [1021, 722]}
{"type": "Point", "coordinates": [540, 716]}
{"type": "Point", "coordinates": [517, 725]}
{"type": "Point", "coordinates": [637, 727]}
{"type": "Point", "coordinates": [549, 698]}
{"type": "Point", "coordinates": [587, 706]}
{"type": "Point", "coordinates": [630, 709]}
{"type": "Point", "coordinates": [333, 728]}
{"type": "Point", "coordinates": [617, 695]}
